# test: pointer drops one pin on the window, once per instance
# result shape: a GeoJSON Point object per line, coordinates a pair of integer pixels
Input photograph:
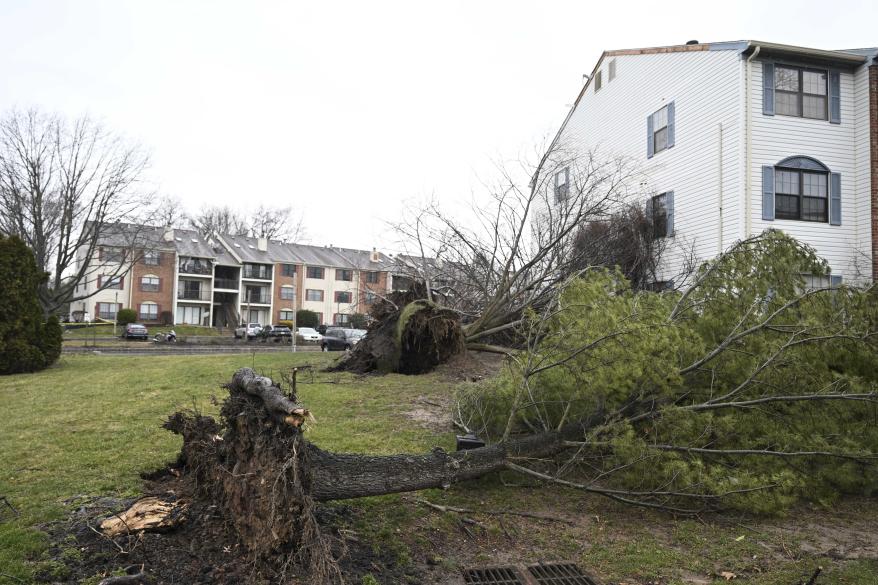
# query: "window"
{"type": "Point", "coordinates": [257, 271]}
{"type": "Point", "coordinates": [288, 293]}
{"type": "Point", "coordinates": [370, 297]}
{"type": "Point", "coordinates": [108, 310]}
{"type": "Point", "coordinates": [288, 269]}
{"type": "Point", "coordinates": [373, 277]}
{"type": "Point", "coordinates": [110, 282]}
{"type": "Point", "coordinates": [148, 312]}
{"type": "Point", "coordinates": [152, 258]}
{"type": "Point", "coordinates": [660, 211]}
{"type": "Point", "coordinates": [612, 75]}
{"type": "Point", "coordinates": [344, 274]}
{"type": "Point", "coordinates": [313, 295]}
{"type": "Point", "coordinates": [287, 315]}
{"type": "Point", "coordinates": [320, 318]}
{"type": "Point", "coordinates": [188, 315]}
{"type": "Point", "coordinates": [149, 283]}
{"type": "Point", "coordinates": [598, 81]}
{"type": "Point", "coordinates": [341, 319]}
{"type": "Point", "coordinates": [660, 130]}
{"type": "Point", "coordinates": [112, 255]}
{"type": "Point", "coordinates": [800, 92]}
{"type": "Point", "coordinates": [562, 184]}
{"type": "Point", "coordinates": [800, 194]}
{"type": "Point", "coordinates": [314, 272]}
{"type": "Point", "coordinates": [344, 296]}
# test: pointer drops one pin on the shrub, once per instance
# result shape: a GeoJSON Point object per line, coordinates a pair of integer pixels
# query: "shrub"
{"type": "Point", "coordinates": [167, 318]}
{"type": "Point", "coordinates": [306, 318]}
{"type": "Point", "coordinates": [27, 343]}
{"type": "Point", "coordinates": [285, 323]}
{"type": "Point", "coordinates": [359, 321]}
{"type": "Point", "coordinates": [126, 316]}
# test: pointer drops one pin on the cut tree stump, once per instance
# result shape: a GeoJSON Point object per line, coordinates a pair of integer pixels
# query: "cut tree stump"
{"type": "Point", "coordinates": [150, 514]}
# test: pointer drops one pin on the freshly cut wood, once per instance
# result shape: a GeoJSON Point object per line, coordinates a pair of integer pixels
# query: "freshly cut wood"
{"type": "Point", "coordinates": [146, 514]}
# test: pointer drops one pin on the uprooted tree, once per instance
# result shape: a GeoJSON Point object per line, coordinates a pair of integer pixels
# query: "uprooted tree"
{"type": "Point", "coordinates": [478, 276]}
{"type": "Point", "coordinates": [747, 391]}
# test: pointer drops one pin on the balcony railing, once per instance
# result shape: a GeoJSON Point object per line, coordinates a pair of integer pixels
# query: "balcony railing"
{"type": "Point", "coordinates": [195, 268]}
{"type": "Point", "coordinates": [258, 298]}
{"type": "Point", "coordinates": [194, 295]}
{"type": "Point", "coordinates": [260, 272]}
{"type": "Point", "coordinates": [228, 283]}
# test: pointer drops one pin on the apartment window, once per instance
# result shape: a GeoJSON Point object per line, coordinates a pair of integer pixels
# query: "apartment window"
{"type": "Point", "coordinates": [344, 296]}
{"type": "Point", "coordinates": [598, 81]}
{"type": "Point", "coordinates": [341, 319]}
{"type": "Point", "coordinates": [320, 317]}
{"type": "Point", "coordinates": [148, 312]}
{"type": "Point", "coordinates": [287, 315]}
{"type": "Point", "coordinates": [562, 184]}
{"type": "Point", "coordinates": [149, 283]}
{"type": "Point", "coordinates": [112, 255]}
{"type": "Point", "coordinates": [660, 130]}
{"type": "Point", "coordinates": [801, 194]}
{"type": "Point", "coordinates": [612, 68]}
{"type": "Point", "coordinates": [314, 272]}
{"type": "Point", "coordinates": [312, 294]}
{"type": "Point", "coordinates": [110, 282]}
{"type": "Point", "coordinates": [288, 293]}
{"type": "Point", "coordinates": [344, 274]}
{"type": "Point", "coordinates": [108, 310]}
{"type": "Point", "coordinates": [373, 277]}
{"type": "Point", "coordinates": [288, 269]}
{"type": "Point", "coordinates": [152, 258]}
{"type": "Point", "coordinates": [660, 210]}
{"type": "Point", "coordinates": [800, 92]}
{"type": "Point", "coordinates": [370, 297]}
{"type": "Point", "coordinates": [189, 315]}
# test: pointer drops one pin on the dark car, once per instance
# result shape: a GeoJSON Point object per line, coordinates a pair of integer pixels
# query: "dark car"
{"type": "Point", "coordinates": [337, 339]}
{"type": "Point", "coordinates": [135, 331]}
{"type": "Point", "coordinates": [276, 332]}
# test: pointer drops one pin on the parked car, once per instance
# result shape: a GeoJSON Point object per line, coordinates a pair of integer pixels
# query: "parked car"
{"type": "Point", "coordinates": [135, 331]}
{"type": "Point", "coordinates": [248, 330]}
{"type": "Point", "coordinates": [341, 339]}
{"type": "Point", "coordinates": [307, 334]}
{"type": "Point", "coordinates": [276, 332]}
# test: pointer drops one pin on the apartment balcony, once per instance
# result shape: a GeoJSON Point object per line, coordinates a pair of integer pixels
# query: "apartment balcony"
{"type": "Point", "coordinates": [225, 283]}
{"type": "Point", "coordinates": [194, 295]}
{"type": "Point", "coordinates": [257, 299]}
{"type": "Point", "coordinates": [257, 272]}
{"type": "Point", "coordinates": [196, 268]}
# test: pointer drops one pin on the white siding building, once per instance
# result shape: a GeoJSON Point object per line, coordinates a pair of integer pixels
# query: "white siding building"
{"type": "Point", "coordinates": [734, 138]}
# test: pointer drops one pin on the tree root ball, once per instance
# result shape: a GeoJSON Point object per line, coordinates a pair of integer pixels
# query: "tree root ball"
{"type": "Point", "coordinates": [411, 340]}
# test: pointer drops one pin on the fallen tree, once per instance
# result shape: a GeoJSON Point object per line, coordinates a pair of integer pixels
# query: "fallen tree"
{"type": "Point", "coordinates": [749, 391]}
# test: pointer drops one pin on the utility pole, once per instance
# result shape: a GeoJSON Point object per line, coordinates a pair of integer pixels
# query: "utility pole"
{"type": "Point", "coordinates": [116, 314]}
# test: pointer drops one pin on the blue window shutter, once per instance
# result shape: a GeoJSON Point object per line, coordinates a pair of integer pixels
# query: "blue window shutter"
{"type": "Point", "coordinates": [835, 97]}
{"type": "Point", "coordinates": [669, 205]}
{"type": "Point", "coordinates": [835, 199]}
{"type": "Point", "coordinates": [768, 193]}
{"type": "Point", "coordinates": [650, 144]}
{"type": "Point", "coordinates": [670, 124]}
{"type": "Point", "coordinates": [768, 89]}
{"type": "Point", "coordinates": [834, 281]}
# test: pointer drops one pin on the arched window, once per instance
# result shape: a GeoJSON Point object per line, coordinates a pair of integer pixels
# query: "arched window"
{"type": "Point", "coordinates": [149, 311]}
{"type": "Point", "coordinates": [149, 283]}
{"type": "Point", "coordinates": [801, 188]}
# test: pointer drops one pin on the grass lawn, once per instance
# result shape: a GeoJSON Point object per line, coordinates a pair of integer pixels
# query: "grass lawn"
{"type": "Point", "coordinates": [91, 424]}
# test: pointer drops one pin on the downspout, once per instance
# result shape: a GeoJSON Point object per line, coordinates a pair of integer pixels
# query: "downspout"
{"type": "Point", "coordinates": [720, 171]}
{"type": "Point", "coordinates": [748, 178]}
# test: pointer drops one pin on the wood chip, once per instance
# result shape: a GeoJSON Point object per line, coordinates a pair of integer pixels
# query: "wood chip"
{"type": "Point", "coordinates": [146, 514]}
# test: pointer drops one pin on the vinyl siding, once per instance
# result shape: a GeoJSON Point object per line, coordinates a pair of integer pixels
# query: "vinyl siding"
{"type": "Point", "coordinates": [863, 179]}
{"type": "Point", "coordinates": [775, 138]}
{"type": "Point", "coordinates": [706, 90]}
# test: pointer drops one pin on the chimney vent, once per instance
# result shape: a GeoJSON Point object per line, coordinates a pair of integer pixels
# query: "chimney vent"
{"type": "Point", "coordinates": [374, 256]}
{"type": "Point", "coordinates": [262, 244]}
{"type": "Point", "coordinates": [168, 236]}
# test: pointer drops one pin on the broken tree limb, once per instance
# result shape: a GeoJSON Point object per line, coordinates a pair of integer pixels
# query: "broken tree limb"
{"type": "Point", "coordinates": [276, 403]}
{"type": "Point", "coordinates": [148, 514]}
{"type": "Point", "coordinates": [135, 579]}
{"type": "Point", "coordinates": [534, 515]}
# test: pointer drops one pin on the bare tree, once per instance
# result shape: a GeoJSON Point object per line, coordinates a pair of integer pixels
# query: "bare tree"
{"type": "Point", "coordinates": [221, 220]}
{"type": "Point", "coordinates": [277, 223]}
{"type": "Point", "coordinates": [170, 213]}
{"type": "Point", "coordinates": [64, 187]}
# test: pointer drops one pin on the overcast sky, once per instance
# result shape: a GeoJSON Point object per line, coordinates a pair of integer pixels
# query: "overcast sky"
{"type": "Point", "coordinates": [345, 109]}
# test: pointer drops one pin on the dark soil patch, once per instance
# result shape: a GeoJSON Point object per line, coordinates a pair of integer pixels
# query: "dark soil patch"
{"type": "Point", "coordinates": [204, 549]}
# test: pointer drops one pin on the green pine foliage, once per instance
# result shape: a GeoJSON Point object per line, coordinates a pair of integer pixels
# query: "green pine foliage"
{"type": "Point", "coordinates": [669, 372]}
{"type": "Point", "coordinates": [27, 342]}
